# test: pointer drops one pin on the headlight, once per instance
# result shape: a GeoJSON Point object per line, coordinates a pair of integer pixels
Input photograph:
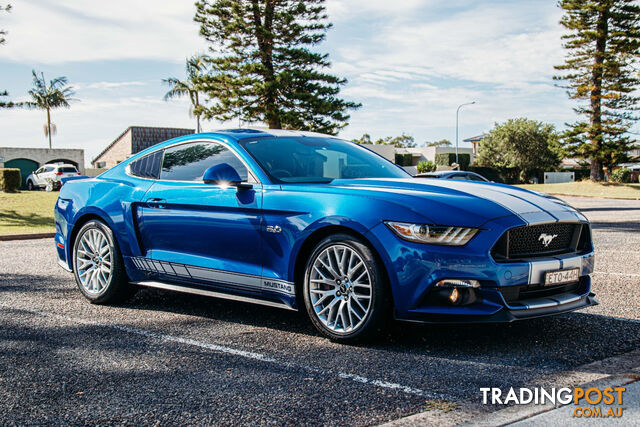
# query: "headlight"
{"type": "Point", "coordinates": [433, 234]}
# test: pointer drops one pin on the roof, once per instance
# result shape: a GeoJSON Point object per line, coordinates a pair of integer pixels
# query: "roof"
{"type": "Point", "coordinates": [475, 138]}
{"type": "Point", "coordinates": [184, 132]}
{"type": "Point", "coordinates": [237, 134]}
{"type": "Point", "coordinates": [253, 132]}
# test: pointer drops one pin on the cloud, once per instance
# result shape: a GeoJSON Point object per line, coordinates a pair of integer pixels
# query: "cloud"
{"type": "Point", "coordinates": [75, 30]}
{"type": "Point", "coordinates": [412, 66]}
{"type": "Point", "coordinates": [343, 10]}
{"type": "Point", "coordinates": [108, 85]}
{"type": "Point", "coordinates": [94, 122]}
{"type": "Point", "coordinates": [409, 62]}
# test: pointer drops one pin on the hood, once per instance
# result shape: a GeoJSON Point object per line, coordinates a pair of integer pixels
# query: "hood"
{"type": "Point", "coordinates": [451, 202]}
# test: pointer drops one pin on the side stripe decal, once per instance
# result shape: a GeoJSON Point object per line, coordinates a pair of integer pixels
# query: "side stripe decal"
{"type": "Point", "coordinates": [245, 281]}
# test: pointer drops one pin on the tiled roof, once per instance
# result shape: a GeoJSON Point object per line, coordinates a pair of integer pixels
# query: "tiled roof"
{"type": "Point", "coordinates": [144, 136]}
{"type": "Point", "coordinates": [475, 138]}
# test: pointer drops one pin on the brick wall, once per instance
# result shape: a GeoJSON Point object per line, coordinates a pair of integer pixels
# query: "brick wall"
{"type": "Point", "coordinates": [119, 150]}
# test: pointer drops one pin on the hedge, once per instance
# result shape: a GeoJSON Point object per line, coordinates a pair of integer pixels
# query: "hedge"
{"type": "Point", "coordinates": [425, 166]}
{"type": "Point", "coordinates": [621, 175]}
{"type": "Point", "coordinates": [404, 159]}
{"type": "Point", "coordinates": [10, 180]}
{"type": "Point", "coordinates": [446, 159]}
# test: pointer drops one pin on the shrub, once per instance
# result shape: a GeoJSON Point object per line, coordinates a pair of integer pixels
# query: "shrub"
{"type": "Point", "coordinates": [621, 175]}
{"type": "Point", "coordinates": [426, 166]}
{"type": "Point", "coordinates": [404, 159]}
{"type": "Point", "coordinates": [10, 180]}
{"type": "Point", "coordinates": [447, 159]}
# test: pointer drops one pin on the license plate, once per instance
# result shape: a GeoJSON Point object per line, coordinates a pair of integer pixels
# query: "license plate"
{"type": "Point", "coordinates": [560, 277]}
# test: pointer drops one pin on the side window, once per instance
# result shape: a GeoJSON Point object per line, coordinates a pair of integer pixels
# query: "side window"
{"type": "Point", "coordinates": [48, 169]}
{"type": "Point", "coordinates": [147, 166]}
{"type": "Point", "coordinates": [188, 162]}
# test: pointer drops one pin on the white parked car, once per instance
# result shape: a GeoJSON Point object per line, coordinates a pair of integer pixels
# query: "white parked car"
{"type": "Point", "coordinates": [50, 176]}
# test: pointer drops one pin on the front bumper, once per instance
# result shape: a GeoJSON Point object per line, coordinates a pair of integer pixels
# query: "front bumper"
{"type": "Point", "coordinates": [493, 307]}
{"type": "Point", "coordinates": [508, 291]}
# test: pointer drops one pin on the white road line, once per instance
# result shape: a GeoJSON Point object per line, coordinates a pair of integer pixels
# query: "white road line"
{"type": "Point", "coordinates": [617, 274]}
{"type": "Point", "coordinates": [231, 351]}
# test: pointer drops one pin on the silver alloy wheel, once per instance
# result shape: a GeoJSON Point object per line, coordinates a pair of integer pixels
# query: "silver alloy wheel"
{"type": "Point", "coordinates": [94, 261]}
{"type": "Point", "coordinates": [340, 289]}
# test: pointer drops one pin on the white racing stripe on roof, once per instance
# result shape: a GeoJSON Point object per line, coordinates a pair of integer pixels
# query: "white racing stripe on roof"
{"type": "Point", "coordinates": [286, 132]}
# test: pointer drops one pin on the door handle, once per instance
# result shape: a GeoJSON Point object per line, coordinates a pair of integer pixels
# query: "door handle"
{"type": "Point", "coordinates": [157, 203]}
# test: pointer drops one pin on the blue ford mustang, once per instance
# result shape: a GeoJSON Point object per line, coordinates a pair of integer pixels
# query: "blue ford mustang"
{"type": "Point", "coordinates": [308, 221]}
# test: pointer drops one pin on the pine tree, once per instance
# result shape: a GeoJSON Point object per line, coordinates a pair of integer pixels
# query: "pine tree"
{"type": "Point", "coordinates": [603, 46]}
{"type": "Point", "coordinates": [264, 68]}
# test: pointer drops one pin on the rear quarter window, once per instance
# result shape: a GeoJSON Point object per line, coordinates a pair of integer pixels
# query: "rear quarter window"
{"type": "Point", "coordinates": [147, 166]}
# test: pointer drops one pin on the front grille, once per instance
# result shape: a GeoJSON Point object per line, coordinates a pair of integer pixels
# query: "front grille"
{"type": "Point", "coordinates": [541, 240]}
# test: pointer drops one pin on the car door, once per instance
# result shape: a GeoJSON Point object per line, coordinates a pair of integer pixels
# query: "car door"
{"type": "Point", "coordinates": [35, 176]}
{"type": "Point", "coordinates": [47, 175]}
{"type": "Point", "coordinates": [41, 175]}
{"type": "Point", "coordinates": [199, 232]}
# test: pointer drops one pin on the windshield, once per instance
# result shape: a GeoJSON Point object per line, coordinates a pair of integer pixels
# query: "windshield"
{"type": "Point", "coordinates": [304, 159]}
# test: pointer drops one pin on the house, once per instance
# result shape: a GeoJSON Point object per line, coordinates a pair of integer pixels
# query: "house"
{"type": "Point", "coordinates": [30, 159]}
{"type": "Point", "coordinates": [420, 154]}
{"type": "Point", "coordinates": [133, 140]}
{"type": "Point", "coordinates": [475, 141]}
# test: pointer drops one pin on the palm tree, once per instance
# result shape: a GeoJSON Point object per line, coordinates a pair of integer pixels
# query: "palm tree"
{"type": "Point", "coordinates": [47, 97]}
{"type": "Point", "coordinates": [195, 65]}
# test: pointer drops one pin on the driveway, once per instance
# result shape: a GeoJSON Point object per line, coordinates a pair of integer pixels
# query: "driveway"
{"type": "Point", "coordinates": [168, 358]}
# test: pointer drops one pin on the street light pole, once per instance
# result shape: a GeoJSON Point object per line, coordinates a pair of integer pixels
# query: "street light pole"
{"type": "Point", "coordinates": [457, 114]}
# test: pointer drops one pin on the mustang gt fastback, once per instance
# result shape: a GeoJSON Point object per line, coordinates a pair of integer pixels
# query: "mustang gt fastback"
{"type": "Point", "coordinates": [306, 221]}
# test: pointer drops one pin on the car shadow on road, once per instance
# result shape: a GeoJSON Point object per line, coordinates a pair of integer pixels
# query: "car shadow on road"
{"type": "Point", "coordinates": [562, 341]}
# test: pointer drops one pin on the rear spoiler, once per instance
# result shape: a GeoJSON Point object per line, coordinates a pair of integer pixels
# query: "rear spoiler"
{"type": "Point", "coordinates": [73, 178]}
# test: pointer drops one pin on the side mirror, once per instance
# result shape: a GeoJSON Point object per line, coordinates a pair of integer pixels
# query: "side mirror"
{"type": "Point", "coordinates": [224, 174]}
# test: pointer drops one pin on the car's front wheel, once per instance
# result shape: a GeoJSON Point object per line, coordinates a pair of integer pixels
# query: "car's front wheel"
{"type": "Point", "coordinates": [345, 289]}
{"type": "Point", "coordinates": [30, 185]}
{"type": "Point", "coordinates": [98, 266]}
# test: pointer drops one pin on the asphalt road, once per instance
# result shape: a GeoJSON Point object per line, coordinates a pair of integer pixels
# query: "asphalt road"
{"type": "Point", "coordinates": [168, 358]}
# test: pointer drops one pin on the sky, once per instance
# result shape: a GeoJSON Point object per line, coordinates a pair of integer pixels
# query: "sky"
{"type": "Point", "coordinates": [410, 63]}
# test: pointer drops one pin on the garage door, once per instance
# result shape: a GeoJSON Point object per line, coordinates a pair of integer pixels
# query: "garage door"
{"type": "Point", "coordinates": [26, 166]}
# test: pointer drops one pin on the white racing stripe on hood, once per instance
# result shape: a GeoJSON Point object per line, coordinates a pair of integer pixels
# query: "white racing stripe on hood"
{"type": "Point", "coordinates": [530, 207]}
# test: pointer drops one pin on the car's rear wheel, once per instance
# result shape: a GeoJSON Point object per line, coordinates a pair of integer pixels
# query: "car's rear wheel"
{"type": "Point", "coordinates": [345, 289]}
{"type": "Point", "coordinates": [98, 266]}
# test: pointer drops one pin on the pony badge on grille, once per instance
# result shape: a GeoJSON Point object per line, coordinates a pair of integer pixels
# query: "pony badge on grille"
{"type": "Point", "coordinates": [547, 238]}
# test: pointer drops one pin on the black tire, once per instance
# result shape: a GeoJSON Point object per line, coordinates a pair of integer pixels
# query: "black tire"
{"type": "Point", "coordinates": [379, 311]}
{"type": "Point", "coordinates": [117, 287]}
{"type": "Point", "coordinates": [30, 186]}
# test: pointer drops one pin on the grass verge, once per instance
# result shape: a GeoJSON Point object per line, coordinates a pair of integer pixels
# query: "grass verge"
{"type": "Point", "coordinates": [27, 212]}
{"type": "Point", "coordinates": [589, 189]}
